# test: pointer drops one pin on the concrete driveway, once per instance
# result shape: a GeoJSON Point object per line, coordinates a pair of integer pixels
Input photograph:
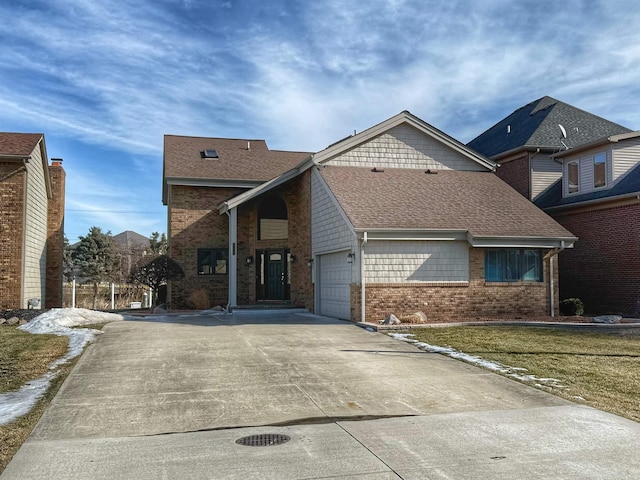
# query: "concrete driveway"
{"type": "Point", "coordinates": [169, 397]}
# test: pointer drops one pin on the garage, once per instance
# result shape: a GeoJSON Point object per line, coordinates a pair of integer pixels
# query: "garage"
{"type": "Point", "coordinates": [334, 279]}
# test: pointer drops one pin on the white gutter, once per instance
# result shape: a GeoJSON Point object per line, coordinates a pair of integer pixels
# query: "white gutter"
{"type": "Point", "coordinates": [362, 283]}
{"type": "Point", "coordinates": [550, 255]}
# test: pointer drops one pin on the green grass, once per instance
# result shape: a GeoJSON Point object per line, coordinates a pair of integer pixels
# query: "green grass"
{"type": "Point", "coordinates": [25, 357]}
{"type": "Point", "coordinates": [601, 370]}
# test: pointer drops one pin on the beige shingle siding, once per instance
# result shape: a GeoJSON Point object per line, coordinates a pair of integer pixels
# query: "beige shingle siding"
{"type": "Point", "coordinates": [416, 261]}
{"type": "Point", "coordinates": [329, 230]}
{"type": "Point", "coordinates": [35, 238]}
{"type": "Point", "coordinates": [626, 155]}
{"type": "Point", "coordinates": [544, 173]}
{"type": "Point", "coordinates": [405, 147]}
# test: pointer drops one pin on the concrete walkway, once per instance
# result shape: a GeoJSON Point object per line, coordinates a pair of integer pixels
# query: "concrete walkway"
{"type": "Point", "coordinates": [168, 397]}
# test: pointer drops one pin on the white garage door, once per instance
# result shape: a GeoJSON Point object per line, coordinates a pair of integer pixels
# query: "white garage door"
{"type": "Point", "coordinates": [335, 277]}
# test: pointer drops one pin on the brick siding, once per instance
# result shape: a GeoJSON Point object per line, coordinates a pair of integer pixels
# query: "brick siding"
{"type": "Point", "coordinates": [194, 222]}
{"type": "Point", "coordinates": [451, 302]}
{"type": "Point", "coordinates": [55, 238]}
{"type": "Point", "coordinates": [516, 173]}
{"type": "Point", "coordinates": [603, 268]}
{"type": "Point", "coordinates": [12, 198]}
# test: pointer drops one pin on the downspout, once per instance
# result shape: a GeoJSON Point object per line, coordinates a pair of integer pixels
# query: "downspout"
{"type": "Point", "coordinates": [362, 272]}
{"type": "Point", "coordinates": [550, 255]}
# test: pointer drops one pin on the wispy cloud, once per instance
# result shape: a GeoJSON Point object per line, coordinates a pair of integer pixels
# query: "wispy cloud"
{"type": "Point", "coordinates": [119, 75]}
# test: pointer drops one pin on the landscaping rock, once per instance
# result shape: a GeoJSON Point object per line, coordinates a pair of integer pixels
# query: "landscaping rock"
{"type": "Point", "coordinates": [391, 320]}
{"type": "Point", "coordinates": [607, 319]}
{"type": "Point", "coordinates": [3, 321]}
{"type": "Point", "coordinates": [13, 321]}
{"type": "Point", "coordinates": [416, 317]}
{"type": "Point", "coordinates": [22, 322]}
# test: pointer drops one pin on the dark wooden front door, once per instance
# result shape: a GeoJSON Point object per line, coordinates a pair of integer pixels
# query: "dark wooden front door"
{"type": "Point", "coordinates": [272, 280]}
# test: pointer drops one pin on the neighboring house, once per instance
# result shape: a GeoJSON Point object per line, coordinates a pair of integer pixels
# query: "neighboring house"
{"type": "Point", "coordinates": [32, 228]}
{"type": "Point", "coordinates": [580, 168]}
{"type": "Point", "coordinates": [396, 219]}
{"type": "Point", "coordinates": [599, 201]}
{"type": "Point", "coordinates": [131, 248]}
{"type": "Point", "coordinates": [524, 142]}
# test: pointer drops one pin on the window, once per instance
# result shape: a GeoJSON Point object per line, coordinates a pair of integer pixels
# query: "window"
{"type": "Point", "coordinates": [273, 223]}
{"type": "Point", "coordinates": [599, 170]}
{"type": "Point", "coordinates": [573, 176]}
{"type": "Point", "coordinates": [513, 265]}
{"type": "Point", "coordinates": [213, 261]}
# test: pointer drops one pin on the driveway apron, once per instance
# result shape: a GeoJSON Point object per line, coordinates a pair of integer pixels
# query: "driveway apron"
{"type": "Point", "coordinates": [178, 396]}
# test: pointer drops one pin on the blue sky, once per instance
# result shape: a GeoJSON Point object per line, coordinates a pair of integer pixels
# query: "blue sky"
{"type": "Point", "coordinates": [105, 80]}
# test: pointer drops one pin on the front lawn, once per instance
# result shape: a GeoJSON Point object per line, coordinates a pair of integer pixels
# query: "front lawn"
{"type": "Point", "coordinates": [601, 370]}
{"type": "Point", "coordinates": [25, 357]}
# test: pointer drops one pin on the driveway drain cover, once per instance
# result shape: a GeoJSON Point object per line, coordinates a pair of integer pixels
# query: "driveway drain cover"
{"type": "Point", "coordinates": [263, 440]}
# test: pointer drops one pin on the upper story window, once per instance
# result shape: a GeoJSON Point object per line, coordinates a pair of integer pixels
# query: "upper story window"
{"type": "Point", "coordinates": [599, 170]}
{"type": "Point", "coordinates": [273, 223]}
{"type": "Point", "coordinates": [573, 176]}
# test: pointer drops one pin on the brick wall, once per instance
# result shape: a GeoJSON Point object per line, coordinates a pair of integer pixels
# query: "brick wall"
{"type": "Point", "coordinates": [603, 268]}
{"type": "Point", "coordinates": [55, 237]}
{"type": "Point", "coordinates": [516, 173]}
{"type": "Point", "coordinates": [194, 222]}
{"type": "Point", "coordinates": [12, 198]}
{"type": "Point", "coordinates": [451, 302]}
{"type": "Point", "coordinates": [297, 196]}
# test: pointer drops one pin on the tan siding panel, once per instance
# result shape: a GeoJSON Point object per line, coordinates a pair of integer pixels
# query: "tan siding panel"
{"type": "Point", "coordinates": [626, 155]}
{"type": "Point", "coordinates": [405, 147]}
{"type": "Point", "coordinates": [544, 173]}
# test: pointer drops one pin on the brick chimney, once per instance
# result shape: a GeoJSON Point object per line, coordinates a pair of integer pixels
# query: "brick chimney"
{"type": "Point", "coordinates": [55, 235]}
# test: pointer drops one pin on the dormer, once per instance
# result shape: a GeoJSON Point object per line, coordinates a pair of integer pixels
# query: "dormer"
{"type": "Point", "coordinates": [600, 165]}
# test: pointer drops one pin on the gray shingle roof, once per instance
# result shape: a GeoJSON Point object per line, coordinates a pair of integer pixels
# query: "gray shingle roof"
{"type": "Point", "coordinates": [536, 126]}
{"type": "Point", "coordinates": [478, 202]}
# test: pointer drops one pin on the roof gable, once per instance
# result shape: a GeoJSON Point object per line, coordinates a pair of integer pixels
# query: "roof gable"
{"type": "Point", "coordinates": [403, 141]}
{"type": "Point", "coordinates": [536, 125]}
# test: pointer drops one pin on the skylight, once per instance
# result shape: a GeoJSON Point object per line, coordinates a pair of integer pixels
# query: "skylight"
{"type": "Point", "coordinates": [209, 154]}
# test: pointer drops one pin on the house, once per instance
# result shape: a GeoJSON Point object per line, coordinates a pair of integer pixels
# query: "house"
{"type": "Point", "coordinates": [579, 168]}
{"type": "Point", "coordinates": [397, 219]}
{"type": "Point", "coordinates": [32, 229]}
{"type": "Point", "coordinates": [598, 199]}
{"type": "Point", "coordinates": [524, 142]}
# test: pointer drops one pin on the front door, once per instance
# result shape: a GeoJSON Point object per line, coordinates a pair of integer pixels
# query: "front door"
{"type": "Point", "coordinates": [272, 279]}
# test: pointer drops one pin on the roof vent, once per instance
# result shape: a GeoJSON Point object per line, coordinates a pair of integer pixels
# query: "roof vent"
{"type": "Point", "coordinates": [508, 129]}
{"type": "Point", "coordinates": [209, 154]}
{"type": "Point", "coordinates": [377, 170]}
{"type": "Point", "coordinates": [431, 172]}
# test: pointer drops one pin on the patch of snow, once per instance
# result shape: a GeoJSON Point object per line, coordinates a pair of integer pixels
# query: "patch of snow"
{"type": "Point", "coordinates": [493, 366]}
{"type": "Point", "coordinates": [369, 329]}
{"type": "Point", "coordinates": [57, 321]}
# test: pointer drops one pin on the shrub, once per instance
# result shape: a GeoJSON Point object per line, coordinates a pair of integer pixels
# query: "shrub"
{"type": "Point", "coordinates": [571, 306]}
{"type": "Point", "coordinates": [199, 300]}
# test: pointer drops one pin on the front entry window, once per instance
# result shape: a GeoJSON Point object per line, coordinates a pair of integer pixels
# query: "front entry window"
{"type": "Point", "coordinates": [273, 223]}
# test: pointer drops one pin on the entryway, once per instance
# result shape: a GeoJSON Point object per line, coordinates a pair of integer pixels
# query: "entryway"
{"type": "Point", "coordinates": [272, 275]}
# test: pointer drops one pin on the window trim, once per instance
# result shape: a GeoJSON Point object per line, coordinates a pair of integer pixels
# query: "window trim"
{"type": "Point", "coordinates": [215, 254]}
{"type": "Point", "coordinates": [504, 255]}
{"type": "Point", "coordinates": [577, 164]}
{"type": "Point", "coordinates": [604, 163]}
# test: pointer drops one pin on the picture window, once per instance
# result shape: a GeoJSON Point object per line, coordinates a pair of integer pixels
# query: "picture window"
{"type": "Point", "coordinates": [213, 261]}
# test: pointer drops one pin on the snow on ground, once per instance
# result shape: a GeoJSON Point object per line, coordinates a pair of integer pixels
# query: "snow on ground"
{"type": "Point", "coordinates": [57, 321]}
{"type": "Point", "coordinates": [513, 372]}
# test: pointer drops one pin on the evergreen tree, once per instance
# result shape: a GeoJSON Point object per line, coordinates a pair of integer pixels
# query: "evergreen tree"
{"type": "Point", "coordinates": [96, 258]}
{"type": "Point", "coordinates": [158, 243]}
